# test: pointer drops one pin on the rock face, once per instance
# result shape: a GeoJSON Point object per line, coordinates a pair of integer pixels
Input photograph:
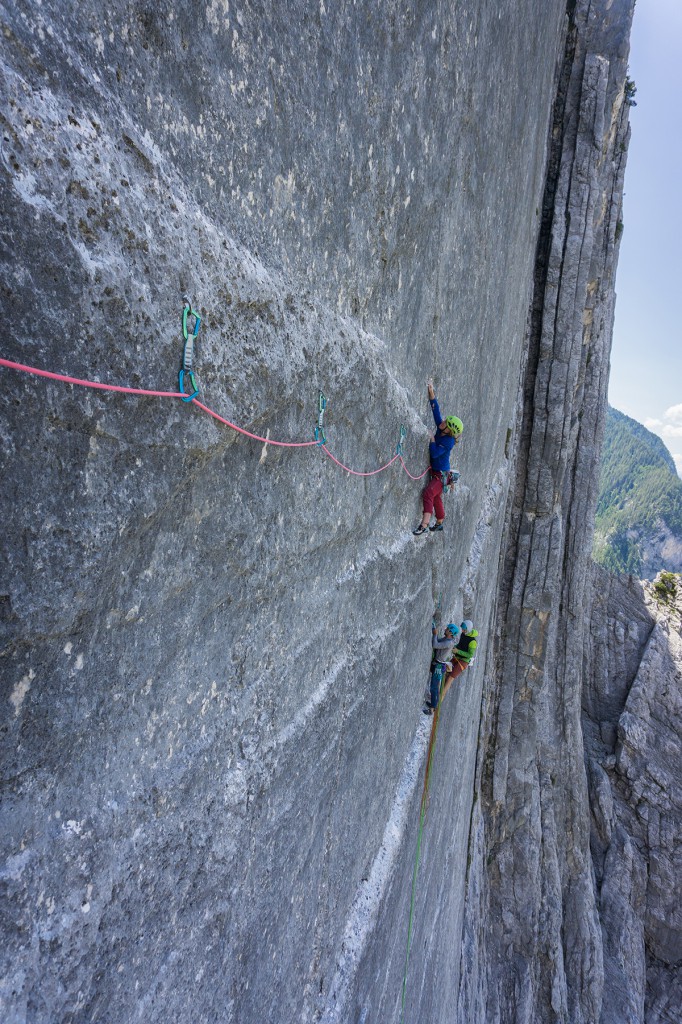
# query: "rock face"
{"type": "Point", "coordinates": [632, 721]}
{"type": "Point", "coordinates": [214, 652]}
{"type": "Point", "coordinates": [533, 945]}
{"type": "Point", "coordinates": [658, 547]}
{"type": "Point", "coordinates": [214, 649]}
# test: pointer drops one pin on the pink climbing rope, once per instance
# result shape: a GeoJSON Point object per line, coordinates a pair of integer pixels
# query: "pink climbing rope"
{"type": "Point", "coordinates": [256, 437]}
{"type": "Point", "coordinates": [155, 394]}
{"type": "Point", "coordinates": [87, 383]}
{"type": "Point", "coordinates": [10, 365]}
{"type": "Point", "coordinates": [354, 471]}
{"type": "Point", "coordinates": [408, 472]}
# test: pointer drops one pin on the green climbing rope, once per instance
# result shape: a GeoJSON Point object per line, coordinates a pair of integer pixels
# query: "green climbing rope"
{"type": "Point", "coordinates": [422, 817]}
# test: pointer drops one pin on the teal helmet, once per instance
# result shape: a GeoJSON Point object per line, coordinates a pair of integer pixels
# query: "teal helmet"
{"type": "Point", "coordinates": [454, 425]}
{"type": "Point", "coordinates": [455, 630]}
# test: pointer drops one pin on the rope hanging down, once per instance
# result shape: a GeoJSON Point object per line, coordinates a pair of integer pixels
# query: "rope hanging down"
{"type": "Point", "coordinates": [423, 807]}
{"type": "Point", "coordinates": [64, 378]}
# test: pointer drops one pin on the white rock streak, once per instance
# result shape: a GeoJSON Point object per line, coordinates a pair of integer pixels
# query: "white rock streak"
{"type": "Point", "coordinates": [371, 892]}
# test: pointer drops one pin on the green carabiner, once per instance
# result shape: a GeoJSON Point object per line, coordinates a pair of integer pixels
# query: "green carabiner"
{"type": "Point", "coordinates": [188, 311]}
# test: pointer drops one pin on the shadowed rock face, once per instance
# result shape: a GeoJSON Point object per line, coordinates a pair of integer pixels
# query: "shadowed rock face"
{"type": "Point", "coordinates": [213, 651]}
{"type": "Point", "coordinates": [632, 720]}
{"type": "Point", "coordinates": [533, 934]}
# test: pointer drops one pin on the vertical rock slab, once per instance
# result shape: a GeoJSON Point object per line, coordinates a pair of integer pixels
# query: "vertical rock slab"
{"type": "Point", "coordinates": [213, 649]}
{"type": "Point", "coordinates": [632, 721]}
{"type": "Point", "coordinates": [534, 921]}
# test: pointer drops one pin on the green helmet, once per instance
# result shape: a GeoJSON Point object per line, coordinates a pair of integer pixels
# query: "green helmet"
{"type": "Point", "coordinates": [454, 424]}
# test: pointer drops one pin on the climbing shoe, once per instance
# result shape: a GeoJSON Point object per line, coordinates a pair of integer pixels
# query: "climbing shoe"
{"type": "Point", "coordinates": [427, 709]}
{"type": "Point", "coordinates": [436, 528]}
{"type": "Point", "coordinates": [419, 530]}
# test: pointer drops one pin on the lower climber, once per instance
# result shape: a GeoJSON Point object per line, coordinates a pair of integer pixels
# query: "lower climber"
{"type": "Point", "coordinates": [448, 433]}
{"type": "Point", "coordinates": [463, 654]}
{"type": "Point", "coordinates": [442, 649]}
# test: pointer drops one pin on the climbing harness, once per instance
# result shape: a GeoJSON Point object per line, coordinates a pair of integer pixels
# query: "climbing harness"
{"type": "Point", "coordinates": [448, 479]}
{"type": "Point", "coordinates": [458, 666]}
{"type": "Point", "coordinates": [320, 437]}
{"type": "Point", "coordinates": [188, 350]}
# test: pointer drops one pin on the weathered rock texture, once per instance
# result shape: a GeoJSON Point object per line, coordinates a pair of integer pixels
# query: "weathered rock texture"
{"type": "Point", "coordinates": [658, 547]}
{"type": "Point", "coordinates": [533, 948]}
{"type": "Point", "coordinates": [214, 652]}
{"type": "Point", "coordinates": [214, 655]}
{"type": "Point", "coordinates": [632, 720]}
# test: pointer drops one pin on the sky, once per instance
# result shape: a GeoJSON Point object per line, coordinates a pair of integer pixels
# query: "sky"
{"type": "Point", "coordinates": [646, 359]}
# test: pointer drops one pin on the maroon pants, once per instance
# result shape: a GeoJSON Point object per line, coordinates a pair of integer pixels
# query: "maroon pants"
{"type": "Point", "coordinates": [432, 496]}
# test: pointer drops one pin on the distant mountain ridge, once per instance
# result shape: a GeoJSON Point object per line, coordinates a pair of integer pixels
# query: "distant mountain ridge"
{"type": "Point", "coordinates": [638, 525]}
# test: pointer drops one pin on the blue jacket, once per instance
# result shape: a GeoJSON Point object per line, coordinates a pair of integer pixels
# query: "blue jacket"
{"type": "Point", "coordinates": [439, 450]}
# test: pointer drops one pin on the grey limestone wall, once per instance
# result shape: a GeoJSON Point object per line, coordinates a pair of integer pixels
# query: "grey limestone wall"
{"type": "Point", "coordinates": [632, 721]}
{"type": "Point", "coordinates": [533, 947]}
{"type": "Point", "coordinates": [213, 652]}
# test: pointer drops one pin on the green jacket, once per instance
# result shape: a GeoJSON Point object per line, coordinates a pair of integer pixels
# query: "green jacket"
{"type": "Point", "coordinates": [465, 647]}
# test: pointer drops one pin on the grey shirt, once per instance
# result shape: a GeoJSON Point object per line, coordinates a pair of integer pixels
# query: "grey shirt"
{"type": "Point", "coordinates": [443, 649]}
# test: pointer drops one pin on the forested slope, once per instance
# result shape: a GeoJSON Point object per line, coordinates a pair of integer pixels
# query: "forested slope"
{"type": "Point", "coordinates": [638, 526]}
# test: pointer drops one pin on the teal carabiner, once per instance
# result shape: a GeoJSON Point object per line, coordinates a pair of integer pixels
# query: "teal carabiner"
{"type": "Point", "coordinates": [188, 350]}
{"type": "Point", "coordinates": [320, 436]}
{"type": "Point", "coordinates": [403, 435]}
{"type": "Point", "coordinates": [193, 383]}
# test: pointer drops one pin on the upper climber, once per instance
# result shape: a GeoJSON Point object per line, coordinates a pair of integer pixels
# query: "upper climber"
{"type": "Point", "coordinates": [448, 433]}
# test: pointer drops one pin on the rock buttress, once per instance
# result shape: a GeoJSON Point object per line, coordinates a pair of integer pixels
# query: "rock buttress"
{"type": "Point", "coordinates": [533, 942]}
{"type": "Point", "coordinates": [213, 651]}
{"type": "Point", "coordinates": [632, 722]}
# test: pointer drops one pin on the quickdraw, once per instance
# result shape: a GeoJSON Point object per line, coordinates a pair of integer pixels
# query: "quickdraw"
{"type": "Point", "coordinates": [320, 436]}
{"type": "Point", "coordinates": [449, 479]}
{"type": "Point", "coordinates": [403, 435]}
{"type": "Point", "coordinates": [188, 350]}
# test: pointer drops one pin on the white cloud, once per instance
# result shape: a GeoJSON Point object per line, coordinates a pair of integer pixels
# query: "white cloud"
{"type": "Point", "coordinates": [672, 422]}
{"type": "Point", "coordinates": [669, 429]}
{"type": "Point", "coordinates": [664, 430]}
{"type": "Point", "coordinates": [670, 425]}
{"type": "Point", "coordinates": [674, 414]}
